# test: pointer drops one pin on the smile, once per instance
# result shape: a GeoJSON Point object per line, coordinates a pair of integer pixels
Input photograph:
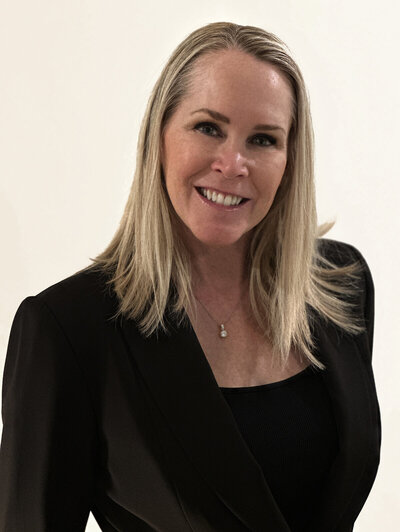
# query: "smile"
{"type": "Point", "coordinates": [227, 200]}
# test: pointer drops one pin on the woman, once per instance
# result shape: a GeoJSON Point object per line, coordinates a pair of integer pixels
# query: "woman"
{"type": "Point", "coordinates": [211, 371]}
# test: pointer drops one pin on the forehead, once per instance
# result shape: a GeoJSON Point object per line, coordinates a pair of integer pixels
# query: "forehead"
{"type": "Point", "coordinates": [234, 82]}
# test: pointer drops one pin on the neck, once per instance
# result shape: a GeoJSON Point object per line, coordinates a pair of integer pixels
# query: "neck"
{"type": "Point", "coordinates": [219, 270]}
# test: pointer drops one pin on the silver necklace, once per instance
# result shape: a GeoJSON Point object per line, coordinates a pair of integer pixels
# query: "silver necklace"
{"type": "Point", "coordinates": [223, 333]}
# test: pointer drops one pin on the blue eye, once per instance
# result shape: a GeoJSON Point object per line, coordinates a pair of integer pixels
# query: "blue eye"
{"type": "Point", "coordinates": [205, 128]}
{"type": "Point", "coordinates": [212, 130]}
{"type": "Point", "coordinates": [266, 140]}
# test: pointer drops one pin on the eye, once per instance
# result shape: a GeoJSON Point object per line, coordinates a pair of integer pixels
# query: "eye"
{"type": "Point", "coordinates": [208, 128]}
{"type": "Point", "coordinates": [264, 140]}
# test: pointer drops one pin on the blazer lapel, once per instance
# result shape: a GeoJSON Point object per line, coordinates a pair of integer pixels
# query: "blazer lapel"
{"type": "Point", "coordinates": [184, 387]}
{"type": "Point", "coordinates": [350, 385]}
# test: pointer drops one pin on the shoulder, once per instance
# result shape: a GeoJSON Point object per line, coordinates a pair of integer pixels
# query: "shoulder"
{"type": "Point", "coordinates": [340, 253]}
{"type": "Point", "coordinates": [80, 306]}
{"type": "Point", "coordinates": [86, 290]}
{"type": "Point", "coordinates": [343, 254]}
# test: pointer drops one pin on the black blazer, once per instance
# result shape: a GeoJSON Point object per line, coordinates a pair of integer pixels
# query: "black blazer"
{"type": "Point", "coordinates": [98, 418]}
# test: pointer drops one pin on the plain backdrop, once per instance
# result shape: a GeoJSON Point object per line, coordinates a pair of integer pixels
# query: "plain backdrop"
{"type": "Point", "coordinates": [75, 78]}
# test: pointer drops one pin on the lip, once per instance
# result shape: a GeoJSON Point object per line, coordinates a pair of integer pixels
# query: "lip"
{"type": "Point", "coordinates": [224, 192]}
{"type": "Point", "coordinates": [218, 205]}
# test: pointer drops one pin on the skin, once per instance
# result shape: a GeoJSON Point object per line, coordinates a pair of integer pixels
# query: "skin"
{"type": "Point", "coordinates": [199, 150]}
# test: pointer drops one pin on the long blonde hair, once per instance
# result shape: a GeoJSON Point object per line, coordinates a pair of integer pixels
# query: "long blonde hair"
{"type": "Point", "coordinates": [149, 267]}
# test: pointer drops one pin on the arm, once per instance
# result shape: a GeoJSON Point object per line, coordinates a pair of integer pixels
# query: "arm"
{"type": "Point", "coordinates": [368, 297]}
{"type": "Point", "coordinates": [47, 448]}
{"type": "Point", "coordinates": [369, 303]}
{"type": "Point", "coordinates": [342, 254]}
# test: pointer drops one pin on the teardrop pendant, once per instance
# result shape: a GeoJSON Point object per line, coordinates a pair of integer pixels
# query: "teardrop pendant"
{"type": "Point", "coordinates": [223, 333]}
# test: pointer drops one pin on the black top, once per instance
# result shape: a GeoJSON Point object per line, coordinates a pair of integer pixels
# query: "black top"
{"type": "Point", "coordinates": [290, 429]}
{"type": "Point", "coordinates": [99, 418]}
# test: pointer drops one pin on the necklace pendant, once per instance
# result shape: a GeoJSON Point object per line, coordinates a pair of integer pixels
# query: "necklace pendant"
{"type": "Point", "coordinates": [223, 333]}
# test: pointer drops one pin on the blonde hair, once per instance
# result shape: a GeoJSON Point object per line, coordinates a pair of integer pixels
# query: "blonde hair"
{"type": "Point", "coordinates": [148, 265]}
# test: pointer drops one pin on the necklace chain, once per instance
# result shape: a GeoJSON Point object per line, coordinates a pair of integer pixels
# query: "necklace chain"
{"type": "Point", "coordinates": [223, 333]}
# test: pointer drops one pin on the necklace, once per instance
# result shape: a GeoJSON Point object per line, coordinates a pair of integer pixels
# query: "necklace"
{"type": "Point", "coordinates": [223, 333]}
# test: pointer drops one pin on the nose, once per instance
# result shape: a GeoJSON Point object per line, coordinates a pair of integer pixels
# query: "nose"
{"type": "Point", "coordinates": [230, 162]}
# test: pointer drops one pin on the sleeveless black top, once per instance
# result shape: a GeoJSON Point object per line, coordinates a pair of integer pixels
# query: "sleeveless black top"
{"type": "Point", "coordinates": [290, 429]}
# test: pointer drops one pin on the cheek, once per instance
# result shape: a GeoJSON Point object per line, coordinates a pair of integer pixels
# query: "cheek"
{"type": "Point", "coordinates": [186, 164]}
{"type": "Point", "coordinates": [280, 163]}
{"type": "Point", "coordinates": [273, 172]}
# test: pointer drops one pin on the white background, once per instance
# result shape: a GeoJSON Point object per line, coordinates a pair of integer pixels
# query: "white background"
{"type": "Point", "coordinates": [75, 78]}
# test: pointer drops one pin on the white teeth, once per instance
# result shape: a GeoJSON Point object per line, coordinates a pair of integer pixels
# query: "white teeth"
{"type": "Point", "coordinates": [220, 198]}
{"type": "Point", "coordinates": [228, 201]}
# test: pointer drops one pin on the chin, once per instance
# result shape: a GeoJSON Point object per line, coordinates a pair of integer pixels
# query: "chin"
{"type": "Point", "coordinates": [219, 240]}
{"type": "Point", "coordinates": [212, 237]}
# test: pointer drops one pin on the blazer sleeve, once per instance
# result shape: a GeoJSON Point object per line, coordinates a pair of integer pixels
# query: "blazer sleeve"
{"type": "Point", "coordinates": [47, 448]}
{"type": "Point", "coordinates": [368, 297]}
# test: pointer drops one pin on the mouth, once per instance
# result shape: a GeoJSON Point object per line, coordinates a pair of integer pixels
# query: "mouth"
{"type": "Point", "coordinates": [218, 198]}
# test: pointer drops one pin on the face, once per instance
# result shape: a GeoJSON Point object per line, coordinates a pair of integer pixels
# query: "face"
{"type": "Point", "coordinates": [224, 149]}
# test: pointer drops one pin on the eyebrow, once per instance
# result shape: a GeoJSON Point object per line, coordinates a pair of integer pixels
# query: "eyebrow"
{"type": "Point", "coordinates": [222, 118]}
